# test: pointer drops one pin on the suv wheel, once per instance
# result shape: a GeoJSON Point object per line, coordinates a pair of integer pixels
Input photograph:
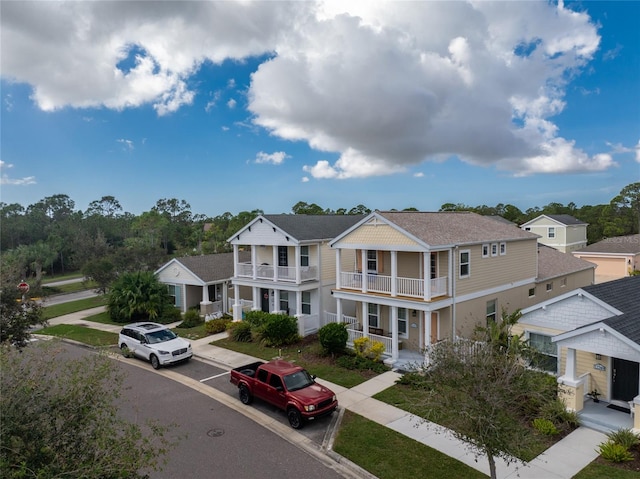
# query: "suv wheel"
{"type": "Point", "coordinates": [155, 363]}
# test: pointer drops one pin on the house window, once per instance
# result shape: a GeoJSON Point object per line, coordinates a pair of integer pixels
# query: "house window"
{"type": "Point", "coordinates": [283, 259]}
{"type": "Point", "coordinates": [550, 286]}
{"type": "Point", "coordinates": [284, 301]}
{"type": "Point", "coordinates": [372, 261]}
{"type": "Point", "coordinates": [491, 311]}
{"type": "Point", "coordinates": [304, 256]}
{"type": "Point", "coordinates": [532, 292]}
{"type": "Point", "coordinates": [174, 293]}
{"type": "Point", "coordinates": [547, 352]}
{"type": "Point", "coordinates": [465, 263]}
{"type": "Point", "coordinates": [494, 249]}
{"type": "Point", "coordinates": [402, 322]}
{"type": "Point", "coordinates": [563, 282]}
{"type": "Point", "coordinates": [306, 302]}
{"type": "Point", "coordinates": [485, 250]}
{"type": "Point", "coordinates": [551, 232]}
{"type": "Point", "coordinates": [503, 248]}
{"type": "Point", "coordinates": [374, 315]}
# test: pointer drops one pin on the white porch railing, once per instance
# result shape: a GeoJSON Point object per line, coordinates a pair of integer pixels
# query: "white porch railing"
{"type": "Point", "coordinates": [376, 283]}
{"type": "Point", "coordinates": [386, 340]}
{"type": "Point", "coordinates": [308, 324]}
{"type": "Point", "coordinates": [245, 304]}
{"type": "Point", "coordinates": [285, 273]}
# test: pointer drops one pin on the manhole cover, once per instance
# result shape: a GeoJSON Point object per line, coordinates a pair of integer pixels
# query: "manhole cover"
{"type": "Point", "coordinates": [216, 432]}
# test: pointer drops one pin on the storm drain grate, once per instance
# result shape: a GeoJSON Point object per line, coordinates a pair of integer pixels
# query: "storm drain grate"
{"type": "Point", "coordinates": [215, 432]}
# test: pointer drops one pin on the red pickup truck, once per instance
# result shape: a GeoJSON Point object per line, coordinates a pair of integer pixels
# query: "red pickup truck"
{"type": "Point", "coordinates": [286, 386]}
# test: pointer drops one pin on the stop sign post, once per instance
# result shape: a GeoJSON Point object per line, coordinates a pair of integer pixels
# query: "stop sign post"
{"type": "Point", "coordinates": [23, 287]}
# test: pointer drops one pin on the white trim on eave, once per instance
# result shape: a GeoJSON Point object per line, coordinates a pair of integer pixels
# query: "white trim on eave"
{"type": "Point", "coordinates": [575, 292]}
{"type": "Point", "coordinates": [599, 326]}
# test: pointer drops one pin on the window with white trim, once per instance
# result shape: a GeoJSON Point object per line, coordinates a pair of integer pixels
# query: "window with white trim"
{"type": "Point", "coordinates": [306, 302]}
{"type": "Point", "coordinates": [547, 352]}
{"type": "Point", "coordinates": [374, 315]}
{"type": "Point", "coordinates": [304, 256]}
{"type": "Point", "coordinates": [503, 248]}
{"type": "Point", "coordinates": [491, 311]}
{"type": "Point", "coordinates": [494, 249]}
{"type": "Point", "coordinates": [174, 294]}
{"type": "Point", "coordinates": [284, 301]}
{"type": "Point", "coordinates": [532, 292]}
{"type": "Point", "coordinates": [372, 261]}
{"type": "Point", "coordinates": [465, 263]}
{"type": "Point", "coordinates": [402, 322]}
{"type": "Point", "coordinates": [551, 232]}
{"type": "Point", "coordinates": [549, 286]}
{"type": "Point", "coordinates": [485, 250]}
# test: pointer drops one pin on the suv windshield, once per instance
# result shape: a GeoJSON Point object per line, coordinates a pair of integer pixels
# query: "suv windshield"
{"type": "Point", "coordinates": [160, 336]}
{"type": "Point", "coordinates": [299, 380]}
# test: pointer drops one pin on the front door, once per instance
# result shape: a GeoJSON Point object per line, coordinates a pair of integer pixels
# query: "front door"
{"type": "Point", "coordinates": [264, 300]}
{"type": "Point", "coordinates": [624, 379]}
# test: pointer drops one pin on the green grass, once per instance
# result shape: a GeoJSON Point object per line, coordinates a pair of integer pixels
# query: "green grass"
{"type": "Point", "coordinates": [61, 277]}
{"type": "Point", "coordinates": [103, 318]}
{"type": "Point", "coordinates": [309, 358]}
{"type": "Point", "coordinates": [600, 471]}
{"type": "Point", "coordinates": [197, 332]}
{"type": "Point", "coordinates": [68, 288]}
{"type": "Point", "coordinates": [73, 307]}
{"type": "Point", "coordinates": [92, 337]}
{"type": "Point", "coordinates": [391, 455]}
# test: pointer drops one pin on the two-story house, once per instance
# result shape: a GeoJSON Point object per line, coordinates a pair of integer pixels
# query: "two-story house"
{"type": "Point", "coordinates": [419, 277]}
{"type": "Point", "coordinates": [291, 268]}
{"type": "Point", "coordinates": [562, 232]}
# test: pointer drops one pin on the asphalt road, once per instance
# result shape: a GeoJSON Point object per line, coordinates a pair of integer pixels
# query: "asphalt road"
{"type": "Point", "coordinates": [217, 441]}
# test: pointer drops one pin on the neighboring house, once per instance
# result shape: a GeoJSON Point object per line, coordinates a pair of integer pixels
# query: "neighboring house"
{"type": "Point", "coordinates": [291, 268]}
{"type": "Point", "coordinates": [614, 257]}
{"type": "Point", "coordinates": [591, 340]}
{"type": "Point", "coordinates": [202, 281]}
{"type": "Point", "coordinates": [562, 232]}
{"type": "Point", "coordinates": [417, 277]}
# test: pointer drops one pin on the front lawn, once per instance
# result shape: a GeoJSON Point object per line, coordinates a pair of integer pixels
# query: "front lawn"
{"type": "Point", "coordinates": [600, 470]}
{"type": "Point", "coordinates": [391, 455]}
{"type": "Point", "coordinates": [92, 337]}
{"type": "Point", "coordinates": [308, 354]}
{"type": "Point", "coordinates": [197, 332]}
{"type": "Point", "coordinates": [56, 310]}
{"type": "Point", "coordinates": [69, 288]}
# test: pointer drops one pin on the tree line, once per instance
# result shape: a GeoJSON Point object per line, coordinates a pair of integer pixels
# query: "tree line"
{"type": "Point", "coordinates": [53, 237]}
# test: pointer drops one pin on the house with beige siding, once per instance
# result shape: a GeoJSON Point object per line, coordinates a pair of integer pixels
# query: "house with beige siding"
{"type": "Point", "coordinates": [290, 269]}
{"type": "Point", "coordinates": [414, 278]}
{"type": "Point", "coordinates": [590, 339]}
{"type": "Point", "coordinates": [562, 232]}
{"type": "Point", "coordinates": [616, 257]}
{"type": "Point", "coordinates": [201, 281]}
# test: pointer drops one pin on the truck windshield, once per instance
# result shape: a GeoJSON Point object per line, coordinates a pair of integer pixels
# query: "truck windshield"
{"type": "Point", "coordinates": [298, 380]}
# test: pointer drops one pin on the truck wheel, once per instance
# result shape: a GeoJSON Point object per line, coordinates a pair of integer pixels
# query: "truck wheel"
{"type": "Point", "coordinates": [295, 418]}
{"type": "Point", "coordinates": [154, 361]}
{"type": "Point", "coordinates": [245, 395]}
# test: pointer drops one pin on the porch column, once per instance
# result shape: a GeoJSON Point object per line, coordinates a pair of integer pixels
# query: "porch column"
{"type": "Point", "coordinates": [297, 263]}
{"type": "Point", "coordinates": [636, 414]}
{"type": "Point", "coordinates": [254, 262]}
{"type": "Point", "coordinates": [299, 316]}
{"type": "Point", "coordinates": [338, 269]}
{"type": "Point", "coordinates": [394, 333]}
{"type": "Point", "coordinates": [236, 260]}
{"type": "Point", "coordinates": [394, 273]}
{"type": "Point", "coordinates": [450, 269]}
{"type": "Point", "coordinates": [363, 259]}
{"type": "Point", "coordinates": [339, 318]}
{"type": "Point", "coordinates": [206, 306]}
{"type": "Point", "coordinates": [427, 328]}
{"type": "Point", "coordinates": [274, 250]}
{"type": "Point", "coordinates": [571, 388]}
{"type": "Point", "coordinates": [237, 309]}
{"type": "Point", "coordinates": [426, 257]}
{"type": "Point", "coordinates": [205, 293]}
{"type": "Point", "coordinates": [365, 319]}
{"type": "Point", "coordinates": [255, 298]}
{"type": "Point", "coordinates": [225, 297]}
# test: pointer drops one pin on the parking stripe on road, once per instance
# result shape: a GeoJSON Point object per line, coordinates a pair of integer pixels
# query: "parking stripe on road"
{"type": "Point", "coordinates": [214, 377]}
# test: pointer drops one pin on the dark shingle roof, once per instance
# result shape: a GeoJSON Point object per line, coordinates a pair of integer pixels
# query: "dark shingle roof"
{"type": "Point", "coordinates": [567, 220]}
{"type": "Point", "coordinates": [553, 263]}
{"type": "Point", "coordinates": [629, 244]}
{"type": "Point", "coordinates": [624, 295]}
{"type": "Point", "coordinates": [313, 227]}
{"type": "Point", "coordinates": [212, 267]}
{"type": "Point", "coordinates": [454, 227]}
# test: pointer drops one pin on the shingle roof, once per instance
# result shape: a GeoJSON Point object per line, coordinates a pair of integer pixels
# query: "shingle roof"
{"type": "Point", "coordinates": [313, 227]}
{"type": "Point", "coordinates": [454, 227]}
{"type": "Point", "coordinates": [553, 263]}
{"type": "Point", "coordinates": [624, 295]}
{"type": "Point", "coordinates": [567, 220]}
{"type": "Point", "coordinates": [212, 267]}
{"type": "Point", "coordinates": [617, 245]}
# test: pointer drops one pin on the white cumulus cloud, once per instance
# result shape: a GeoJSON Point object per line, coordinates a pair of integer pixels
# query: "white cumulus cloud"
{"type": "Point", "coordinates": [5, 179]}
{"type": "Point", "coordinates": [275, 158]}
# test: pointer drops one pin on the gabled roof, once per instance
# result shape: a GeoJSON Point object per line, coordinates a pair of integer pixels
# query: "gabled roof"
{"type": "Point", "coordinates": [210, 267]}
{"type": "Point", "coordinates": [617, 245]}
{"type": "Point", "coordinates": [553, 263]}
{"type": "Point", "coordinates": [566, 220]}
{"type": "Point", "coordinates": [444, 228]}
{"type": "Point", "coordinates": [313, 227]}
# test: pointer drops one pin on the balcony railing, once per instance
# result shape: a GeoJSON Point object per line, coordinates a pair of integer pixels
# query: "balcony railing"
{"type": "Point", "coordinates": [284, 273]}
{"type": "Point", "coordinates": [411, 287]}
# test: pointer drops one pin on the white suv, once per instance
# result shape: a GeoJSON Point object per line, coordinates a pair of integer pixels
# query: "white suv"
{"type": "Point", "coordinates": [155, 343]}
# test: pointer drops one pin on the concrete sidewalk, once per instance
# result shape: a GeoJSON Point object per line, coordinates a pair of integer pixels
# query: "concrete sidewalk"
{"type": "Point", "coordinates": [561, 461]}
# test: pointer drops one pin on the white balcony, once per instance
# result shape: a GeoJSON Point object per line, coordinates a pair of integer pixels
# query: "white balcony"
{"type": "Point", "coordinates": [411, 287]}
{"type": "Point", "coordinates": [288, 274]}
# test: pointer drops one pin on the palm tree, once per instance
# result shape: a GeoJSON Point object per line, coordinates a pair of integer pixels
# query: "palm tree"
{"type": "Point", "coordinates": [137, 296]}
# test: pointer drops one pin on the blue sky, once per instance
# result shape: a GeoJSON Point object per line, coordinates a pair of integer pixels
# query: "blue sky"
{"type": "Point", "coordinates": [241, 106]}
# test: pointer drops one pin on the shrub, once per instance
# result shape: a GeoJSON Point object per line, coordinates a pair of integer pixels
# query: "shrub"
{"type": "Point", "coordinates": [614, 452]}
{"type": "Point", "coordinates": [240, 332]}
{"type": "Point", "coordinates": [624, 437]}
{"type": "Point", "coordinates": [170, 314]}
{"type": "Point", "coordinates": [216, 326]}
{"type": "Point", "coordinates": [333, 337]}
{"type": "Point", "coordinates": [556, 412]}
{"type": "Point", "coordinates": [279, 330]}
{"type": "Point", "coordinates": [255, 318]}
{"type": "Point", "coordinates": [415, 381]}
{"type": "Point", "coordinates": [369, 349]}
{"type": "Point", "coordinates": [360, 363]}
{"type": "Point", "coordinates": [191, 319]}
{"type": "Point", "coordinates": [545, 426]}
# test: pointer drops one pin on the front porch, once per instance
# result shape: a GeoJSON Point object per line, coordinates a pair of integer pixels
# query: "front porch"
{"type": "Point", "coordinates": [602, 418]}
